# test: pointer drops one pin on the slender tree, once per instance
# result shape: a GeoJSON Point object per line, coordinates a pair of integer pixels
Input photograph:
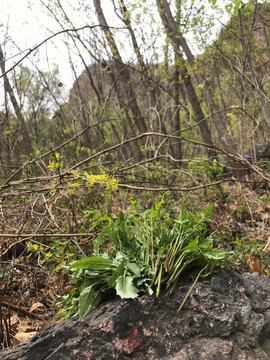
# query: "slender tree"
{"type": "Point", "coordinates": [126, 88]}
{"type": "Point", "coordinates": [27, 148]}
{"type": "Point", "coordinates": [172, 32]}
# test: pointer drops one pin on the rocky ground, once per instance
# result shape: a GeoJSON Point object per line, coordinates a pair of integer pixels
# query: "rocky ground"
{"type": "Point", "coordinates": [226, 317]}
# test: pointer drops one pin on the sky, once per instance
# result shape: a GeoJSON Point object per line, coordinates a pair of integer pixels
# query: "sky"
{"type": "Point", "coordinates": [27, 25]}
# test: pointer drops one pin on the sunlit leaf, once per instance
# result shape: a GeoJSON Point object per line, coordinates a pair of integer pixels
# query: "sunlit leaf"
{"type": "Point", "coordinates": [125, 288]}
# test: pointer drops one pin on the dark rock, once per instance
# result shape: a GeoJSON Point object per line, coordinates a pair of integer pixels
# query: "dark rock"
{"type": "Point", "coordinates": [226, 317]}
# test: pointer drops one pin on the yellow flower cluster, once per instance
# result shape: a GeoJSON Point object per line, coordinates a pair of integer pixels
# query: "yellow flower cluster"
{"type": "Point", "coordinates": [107, 181]}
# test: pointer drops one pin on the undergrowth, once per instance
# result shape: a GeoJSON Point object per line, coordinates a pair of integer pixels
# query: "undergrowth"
{"type": "Point", "coordinates": [141, 252]}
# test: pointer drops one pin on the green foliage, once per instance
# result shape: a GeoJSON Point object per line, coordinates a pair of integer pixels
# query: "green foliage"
{"type": "Point", "coordinates": [246, 246]}
{"type": "Point", "coordinates": [235, 5]}
{"type": "Point", "coordinates": [205, 170]}
{"type": "Point", "coordinates": [248, 251]}
{"type": "Point", "coordinates": [54, 254]}
{"type": "Point", "coordinates": [58, 252]}
{"type": "Point", "coordinates": [265, 199]}
{"type": "Point", "coordinates": [265, 164]}
{"type": "Point", "coordinates": [242, 212]}
{"type": "Point", "coordinates": [55, 164]}
{"type": "Point", "coordinates": [141, 253]}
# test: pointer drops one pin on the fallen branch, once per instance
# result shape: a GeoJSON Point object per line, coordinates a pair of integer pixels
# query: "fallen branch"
{"type": "Point", "coordinates": [22, 311]}
{"type": "Point", "coordinates": [43, 235]}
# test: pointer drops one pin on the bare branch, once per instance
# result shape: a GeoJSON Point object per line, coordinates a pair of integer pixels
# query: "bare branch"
{"type": "Point", "coordinates": [51, 37]}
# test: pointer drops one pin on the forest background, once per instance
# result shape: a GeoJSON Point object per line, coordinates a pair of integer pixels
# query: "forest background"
{"type": "Point", "coordinates": [164, 116]}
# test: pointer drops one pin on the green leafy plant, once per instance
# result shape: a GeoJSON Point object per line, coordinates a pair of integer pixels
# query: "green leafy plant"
{"type": "Point", "coordinates": [242, 212]}
{"type": "Point", "coordinates": [206, 170]}
{"type": "Point", "coordinates": [141, 253]}
{"type": "Point", "coordinates": [54, 252]}
{"type": "Point", "coordinates": [248, 251]}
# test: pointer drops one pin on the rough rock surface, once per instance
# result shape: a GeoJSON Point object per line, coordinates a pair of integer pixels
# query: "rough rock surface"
{"type": "Point", "coordinates": [226, 317]}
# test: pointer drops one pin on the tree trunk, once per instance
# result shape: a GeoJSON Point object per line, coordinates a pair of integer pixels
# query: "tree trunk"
{"type": "Point", "coordinates": [143, 68]}
{"type": "Point", "coordinates": [171, 27]}
{"type": "Point", "coordinates": [125, 87]}
{"type": "Point", "coordinates": [27, 148]}
{"type": "Point", "coordinates": [176, 145]}
{"type": "Point", "coordinates": [4, 149]}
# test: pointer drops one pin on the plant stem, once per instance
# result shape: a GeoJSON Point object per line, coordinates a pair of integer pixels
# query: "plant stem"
{"type": "Point", "coordinates": [189, 291]}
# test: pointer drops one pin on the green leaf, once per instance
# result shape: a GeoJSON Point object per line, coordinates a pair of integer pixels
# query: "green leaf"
{"type": "Point", "coordinates": [116, 274]}
{"type": "Point", "coordinates": [93, 263]}
{"type": "Point", "coordinates": [135, 268]}
{"type": "Point", "coordinates": [125, 288]}
{"type": "Point", "coordinates": [89, 300]}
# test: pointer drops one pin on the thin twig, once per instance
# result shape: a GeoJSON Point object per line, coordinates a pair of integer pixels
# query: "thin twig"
{"type": "Point", "coordinates": [191, 288]}
{"type": "Point", "coordinates": [237, 158]}
{"type": "Point", "coordinates": [43, 235]}
{"type": "Point", "coordinates": [50, 213]}
{"type": "Point", "coordinates": [242, 74]}
{"type": "Point", "coordinates": [51, 37]}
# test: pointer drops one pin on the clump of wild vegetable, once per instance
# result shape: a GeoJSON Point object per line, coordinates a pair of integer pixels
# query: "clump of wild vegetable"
{"type": "Point", "coordinates": [141, 253]}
